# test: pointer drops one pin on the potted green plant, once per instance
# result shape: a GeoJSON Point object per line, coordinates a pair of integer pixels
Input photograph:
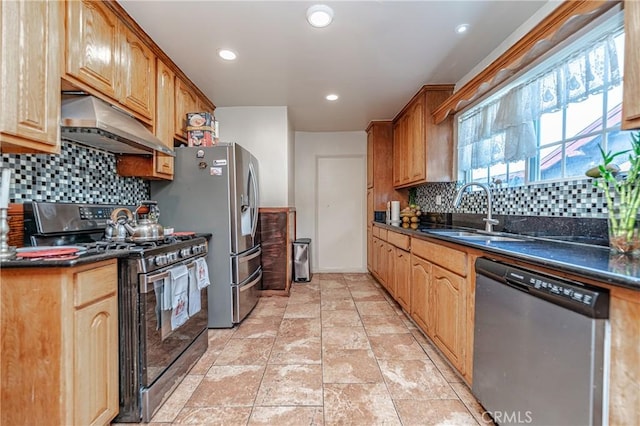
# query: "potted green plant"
{"type": "Point", "coordinates": [622, 193]}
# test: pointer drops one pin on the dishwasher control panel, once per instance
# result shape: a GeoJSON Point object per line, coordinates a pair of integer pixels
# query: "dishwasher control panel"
{"type": "Point", "coordinates": [582, 298]}
{"type": "Point", "coordinates": [570, 291]}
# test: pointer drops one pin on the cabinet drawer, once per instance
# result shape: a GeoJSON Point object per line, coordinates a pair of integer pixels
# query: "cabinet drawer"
{"type": "Point", "coordinates": [399, 240]}
{"type": "Point", "coordinates": [376, 231]}
{"type": "Point", "coordinates": [95, 283]}
{"type": "Point", "coordinates": [451, 259]}
{"type": "Point", "coordinates": [383, 234]}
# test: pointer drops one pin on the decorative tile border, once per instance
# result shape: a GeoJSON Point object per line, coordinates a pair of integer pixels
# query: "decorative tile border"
{"type": "Point", "coordinates": [576, 198]}
{"type": "Point", "coordinates": [78, 174]}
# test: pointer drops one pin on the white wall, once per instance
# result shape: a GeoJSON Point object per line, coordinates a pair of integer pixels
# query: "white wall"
{"type": "Point", "coordinates": [308, 147]}
{"type": "Point", "coordinates": [266, 132]}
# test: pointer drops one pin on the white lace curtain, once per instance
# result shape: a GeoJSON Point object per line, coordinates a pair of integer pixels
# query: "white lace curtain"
{"type": "Point", "coordinates": [503, 130]}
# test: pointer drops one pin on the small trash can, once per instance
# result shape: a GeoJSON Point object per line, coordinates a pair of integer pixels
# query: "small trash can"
{"type": "Point", "coordinates": [302, 260]}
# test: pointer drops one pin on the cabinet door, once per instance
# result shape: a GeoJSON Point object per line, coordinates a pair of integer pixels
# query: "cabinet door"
{"type": "Point", "coordinates": [420, 294]}
{"type": "Point", "coordinates": [450, 320]}
{"type": "Point", "coordinates": [382, 263]}
{"type": "Point", "coordinates": [415, 153]}
{"type": "Point", "coordinates": [93, 50]}
{"type": "Point", "coordinates": [185, 101]}
{"type": "Point", "coordinates": [398, 136]}
{"type": "Point", "coordinates": [96, 363]}
{"type": "Point", "coordinates": [137, 81]}
{"type": "Point", "coordinates": [30, 94]}
{"type": "Point", "coordinates": [390, 269]}
{"type": "Point", "coordinates": [402, 277]}
{"type": "Point", "coordinates": [203, 105]}
{"type": "Point", "coordinates": [370, 157]}
{"type": "Point", "coordinates": [374, 256]}
{"type": "Point", "coordinates": [165, 115]}
{"type": "Point", "coordinates": [369, 226]}
{"type": "Point", "coordinates": [631, 89]}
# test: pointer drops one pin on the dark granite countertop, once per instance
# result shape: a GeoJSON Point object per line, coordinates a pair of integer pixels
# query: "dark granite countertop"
{"type": "Point", "coordinates": [590, 261]}
{"type": "Point", "coordinates": [57, 263]}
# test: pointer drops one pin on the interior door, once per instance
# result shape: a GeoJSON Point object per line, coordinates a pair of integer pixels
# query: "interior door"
{"type": "Point", "coordinates": [341, 207]}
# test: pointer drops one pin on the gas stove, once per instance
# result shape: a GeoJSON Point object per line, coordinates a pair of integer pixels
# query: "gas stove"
{"type": "Point", "coordinates": [155, 350]}
{"type": "Point", "coordinates": [83, 225]}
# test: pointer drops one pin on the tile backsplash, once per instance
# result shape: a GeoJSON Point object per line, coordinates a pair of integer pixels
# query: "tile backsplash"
{"type": "Point", "coordinates": [78, 174]}
{"type": "Point", "coordinates": [575, 198]}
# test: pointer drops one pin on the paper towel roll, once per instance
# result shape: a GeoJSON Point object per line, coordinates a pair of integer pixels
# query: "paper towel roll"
{"type": "Point", "coordinates": [395, 210]}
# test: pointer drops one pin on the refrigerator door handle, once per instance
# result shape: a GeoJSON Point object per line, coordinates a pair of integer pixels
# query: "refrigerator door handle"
{"type": "Point", "coordinates": [256, 203]}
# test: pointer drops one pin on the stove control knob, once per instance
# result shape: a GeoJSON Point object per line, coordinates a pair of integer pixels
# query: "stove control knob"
{"type": "Point", "coordinates": [185, 252]}
{"type": "Point", "coordinates": [172, 257]}
{"type": "Point", "coordinates": [161, 260]}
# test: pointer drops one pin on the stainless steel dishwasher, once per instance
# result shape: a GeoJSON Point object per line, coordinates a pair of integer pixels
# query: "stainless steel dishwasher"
{"type": "Point", "coordinates": [541, 348]}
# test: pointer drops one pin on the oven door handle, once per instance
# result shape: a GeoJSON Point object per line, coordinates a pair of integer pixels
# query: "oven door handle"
{"type": "Point", "coordinates": [146, 283]}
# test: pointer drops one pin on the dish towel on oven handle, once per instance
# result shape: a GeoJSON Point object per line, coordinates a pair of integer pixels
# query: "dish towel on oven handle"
{"type": "Point", "coordinates": [179, 278]}
{"type": "Point", "coordinates": [194, 291]}
{"type": "Point", "coordinates": [202, 273]}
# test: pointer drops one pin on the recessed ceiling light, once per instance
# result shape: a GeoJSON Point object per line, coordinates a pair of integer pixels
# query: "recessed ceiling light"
{"type": "Point", "coordinates": [332, 97]}
{"type": "Point", "coordinates": [319, 15]}
{"type": "Point", "coordinates": [462, 28]}
{"type": "Point", "coordinates": [227, 55]}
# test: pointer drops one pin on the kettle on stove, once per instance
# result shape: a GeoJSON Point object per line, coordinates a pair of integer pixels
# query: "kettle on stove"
{"type": "Point", "coordinates": [145, 227]}
{"type": "Point", "coordinates": [116, 230]}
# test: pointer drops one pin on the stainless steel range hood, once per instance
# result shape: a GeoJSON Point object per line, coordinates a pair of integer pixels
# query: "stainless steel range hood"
{"type": "Point", "coordinates": [90, 121]}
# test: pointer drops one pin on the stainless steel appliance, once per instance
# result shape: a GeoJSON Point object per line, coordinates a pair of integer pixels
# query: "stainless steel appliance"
{"type": "Point", "coordinates": [302, 260]}
{"type": "Point", "coordinates": [93, 122]}
{"type": "Point", "coordinates": [215, 190]}
{"type": "Point", "coordinates": [541, 347]}
{"type": "Point", "coordinates": [154, 354]}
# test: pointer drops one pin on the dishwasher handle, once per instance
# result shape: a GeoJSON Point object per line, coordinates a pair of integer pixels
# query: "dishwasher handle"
{"type": "Point", "coordinates": [587, 300]}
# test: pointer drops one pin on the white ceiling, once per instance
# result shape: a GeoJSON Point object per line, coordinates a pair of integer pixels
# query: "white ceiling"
{"type": "Point", "coordinates": [375, 54]}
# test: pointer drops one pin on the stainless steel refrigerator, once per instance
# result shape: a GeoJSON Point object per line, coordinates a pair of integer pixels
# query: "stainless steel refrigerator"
{"type": "Point", "coordinates": [215, 190]}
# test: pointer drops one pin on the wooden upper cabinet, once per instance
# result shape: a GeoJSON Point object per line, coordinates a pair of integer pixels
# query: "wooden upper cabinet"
{"type": "Point", "coordinates": [30, 86]}
{"type": "Point", "coordinates": [160, 166]}
{"type": "Point", "coordinates": [416, 165]}
{"type": "Point", "coordinates": [186, 101]}
{"type": "Point", "coordinates": [423, 150]}
{"type": "Point", "coordinates": [137, 81]}
{"type": "Point", "coordinates": [107, 59]}
{"type": "Point", "coordinates": [631, 88]}
{"type": "Point", "coordinates": [165, 113]}
{"type": "Point", "coordinates": [93, 46]}
{"type": "Point", "coordinates": [370, 157]}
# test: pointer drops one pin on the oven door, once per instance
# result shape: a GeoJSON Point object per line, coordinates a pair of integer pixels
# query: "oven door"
{"type": "Point", "coordinates": [161, 341]}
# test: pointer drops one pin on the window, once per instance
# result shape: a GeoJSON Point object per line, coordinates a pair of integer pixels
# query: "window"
{"type": "Point", "coordinates": [548, 124]}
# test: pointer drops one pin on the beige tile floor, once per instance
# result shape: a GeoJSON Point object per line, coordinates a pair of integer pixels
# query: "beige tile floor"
{"type": "Point", "coordinates": [338, 351]}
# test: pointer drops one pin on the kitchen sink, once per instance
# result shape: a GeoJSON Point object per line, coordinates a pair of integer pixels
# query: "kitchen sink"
{"type": "Point", "coordinates": [480, 237]}
{"type": "Point", "coordinates": [475, 236]}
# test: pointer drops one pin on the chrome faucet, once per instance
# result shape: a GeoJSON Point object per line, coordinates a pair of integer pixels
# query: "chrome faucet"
{"type": "Point", "coordinates": [489, 220]}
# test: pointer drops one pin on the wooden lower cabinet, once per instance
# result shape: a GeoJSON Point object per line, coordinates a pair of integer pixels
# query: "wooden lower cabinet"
{"type": "Point", "coordinates": [389, 256]}
{"type": "Point", "coordinates": [60, 345]}
{"type": "Point", "coordinates": [277, 233]}
{"type": "Point", "coordinates": [420, 290]}
{"type": "Point", "coordinates": [402, 278]}
{"type": "Point", "coordinates": [374, 256]}
{"type": "Point", "coordinates": [448, 300]}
